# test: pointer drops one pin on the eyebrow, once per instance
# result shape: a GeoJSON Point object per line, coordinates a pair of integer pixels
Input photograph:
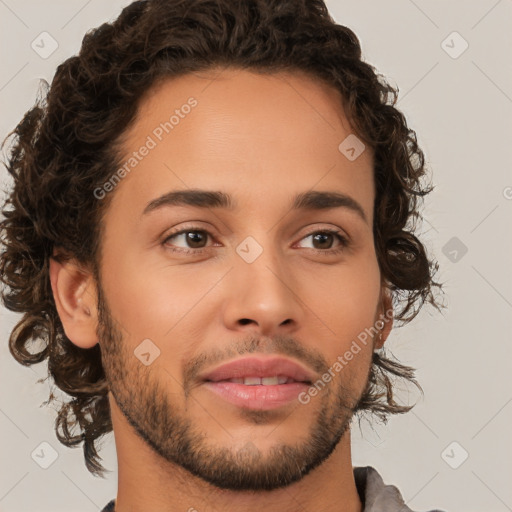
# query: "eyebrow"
{"type": "Point", "coordinates": [311, 200]}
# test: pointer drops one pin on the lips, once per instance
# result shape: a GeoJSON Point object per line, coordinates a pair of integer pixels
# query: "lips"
{"type": "Point", "coordinates": [258, 383]}
{"type": "Point", "coordinates": [253, 371]}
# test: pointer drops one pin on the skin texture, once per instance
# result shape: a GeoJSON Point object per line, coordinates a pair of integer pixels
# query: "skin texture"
{"type": "Point", "coordinates": [262, 139]}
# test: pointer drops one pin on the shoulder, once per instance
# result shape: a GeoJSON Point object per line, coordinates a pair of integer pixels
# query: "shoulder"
{"type": "Point", "coordinates": [376, 495]}
{"type": "Point", "coordinates": [110, 507]}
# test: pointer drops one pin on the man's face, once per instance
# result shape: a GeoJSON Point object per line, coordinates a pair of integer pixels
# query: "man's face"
{"type": "Point", "coordinates": [262, 279]}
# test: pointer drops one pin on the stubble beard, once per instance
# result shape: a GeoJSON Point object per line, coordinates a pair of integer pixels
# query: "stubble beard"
{"type": "Point", "coordinates": [175, 438]}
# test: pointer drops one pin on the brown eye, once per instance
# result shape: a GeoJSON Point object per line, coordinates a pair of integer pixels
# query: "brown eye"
{"type": "Point", "coordinates": [323, 240]}
{"type": "Point", "coordinates": [192, 238]}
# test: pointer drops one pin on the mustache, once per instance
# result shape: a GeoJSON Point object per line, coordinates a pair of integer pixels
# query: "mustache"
{"type": "Point", "coordinates": [277, 345]}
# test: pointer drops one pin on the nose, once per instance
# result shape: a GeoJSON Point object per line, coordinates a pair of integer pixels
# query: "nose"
{"type": "Point", "coordinates": [262, 297]}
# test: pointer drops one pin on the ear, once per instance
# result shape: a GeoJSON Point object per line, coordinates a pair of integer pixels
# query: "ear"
{"type": "Point", "coordinates": [385, 317]}
{"type": "Point", "coordinates": [74, 292]}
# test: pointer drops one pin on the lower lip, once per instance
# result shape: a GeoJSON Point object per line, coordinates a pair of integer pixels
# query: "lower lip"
{"type": "Point", "coordinates": [257, 397]}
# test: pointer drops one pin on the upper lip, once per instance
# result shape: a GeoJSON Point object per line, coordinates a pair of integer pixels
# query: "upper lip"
{"type": "Point", "coordinates": [259, 367]}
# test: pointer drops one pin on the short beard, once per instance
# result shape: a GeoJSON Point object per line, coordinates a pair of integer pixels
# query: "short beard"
{"type": "Point", "coordinates": [178, 441]}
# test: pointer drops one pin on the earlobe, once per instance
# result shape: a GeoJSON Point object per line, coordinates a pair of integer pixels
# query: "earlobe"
{"type": "Point", "coordinates": [74, 293]}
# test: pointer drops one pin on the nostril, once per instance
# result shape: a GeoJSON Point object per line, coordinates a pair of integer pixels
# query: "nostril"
{"type": "Point", "coordinates": [245, 321]}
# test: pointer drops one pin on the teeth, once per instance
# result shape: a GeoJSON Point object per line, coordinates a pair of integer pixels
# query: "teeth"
{"type": "Point", "coordinates": [262, 381]}
{"type": "Point", "coordinates": [252, 381]}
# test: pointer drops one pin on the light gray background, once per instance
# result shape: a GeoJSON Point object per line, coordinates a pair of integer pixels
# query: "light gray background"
{"type": "Point", "coordinates": [461, 109]}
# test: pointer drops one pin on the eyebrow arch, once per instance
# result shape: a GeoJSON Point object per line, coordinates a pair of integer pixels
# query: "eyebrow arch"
{"type": "Point", "coordinates": [317, 200]}
{"type": "Point", "coordinates": [311, 200]}
{"type": "Point", "coordinates": [192, 197]}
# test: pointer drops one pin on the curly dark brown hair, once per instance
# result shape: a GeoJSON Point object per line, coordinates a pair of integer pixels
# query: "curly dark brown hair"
{"type": "Point", "coordinates": [65, 147]}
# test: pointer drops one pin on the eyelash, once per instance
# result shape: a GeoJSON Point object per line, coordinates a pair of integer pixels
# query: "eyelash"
{"type": "Point", "coordinates": [344, 242]}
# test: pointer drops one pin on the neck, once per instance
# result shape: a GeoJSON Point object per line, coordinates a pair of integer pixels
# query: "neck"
{"type": "Point", "coordinates": [148, 482]}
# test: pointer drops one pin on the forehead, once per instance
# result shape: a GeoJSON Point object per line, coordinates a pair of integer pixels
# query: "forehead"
{"type": "Point", "coordinates": [255, 136]}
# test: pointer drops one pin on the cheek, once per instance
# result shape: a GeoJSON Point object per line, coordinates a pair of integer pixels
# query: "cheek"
{"type": "Point", "coordinates": [151, 299]}
{"type": "Point", "coordinates": [345, 303]}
